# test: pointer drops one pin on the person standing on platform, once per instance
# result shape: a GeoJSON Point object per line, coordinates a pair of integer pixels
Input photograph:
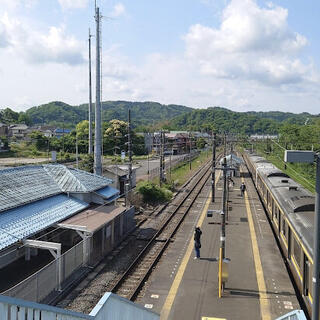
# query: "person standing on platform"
{"type": "Point", "coordinates": [197, 242]}
{"type": "Point", "coordinates": [242, 189]}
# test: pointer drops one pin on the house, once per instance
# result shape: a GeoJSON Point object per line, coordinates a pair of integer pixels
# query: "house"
{"type": "Point", "coordinates": [1, 145]}
{"type": "Point", "coordinates": [260, 137]}
{"type": "Point", "coordinates": [3, 130]}
{"type": "Point", "coordinates": [47, 131]}
{"type": "Point", "coordinates": [61, 132]}
{"type": "Point", "coordinates": [18, 131]}
{"type": "Point", "coordinates": [59, 219]}
{"type": "Point", "coordinates": [119, 174]}
{"type": "Point", "coordinates": [178, 142]}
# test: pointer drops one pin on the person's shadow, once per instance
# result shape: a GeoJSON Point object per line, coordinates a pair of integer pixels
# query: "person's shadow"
{"type": "Point", "coordinates": [210, 259]}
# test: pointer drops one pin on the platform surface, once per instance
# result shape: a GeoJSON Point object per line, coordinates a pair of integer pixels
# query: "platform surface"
{"type": "Point", "coordinates": [258, 286]}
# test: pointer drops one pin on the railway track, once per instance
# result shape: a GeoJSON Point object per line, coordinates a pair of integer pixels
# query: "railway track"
{"type": "Point", "coordinates": [139, 252]}
{"type": "Point", "coordinates": [131, 282]}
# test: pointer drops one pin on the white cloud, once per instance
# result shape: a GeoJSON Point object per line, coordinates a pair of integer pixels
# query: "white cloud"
{"type": "Point", "coordinates": [118, 10]}
{"type": "Point", "coordinates": [73, 4]}
{"type": "Point", "coordinates": [14, 4]}
{"type": "Point", "coordinates": [250, 62]}
{"type": "Point", "coordinates": [53, 46]}
{"type": "Point", "coordinates": [252, 43]}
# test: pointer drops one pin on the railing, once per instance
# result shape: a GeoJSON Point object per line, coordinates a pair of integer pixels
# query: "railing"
{"type": "Point", "coordinates": [39, 285]}
{"type": "Point", "coordinates": [109, 307]}
{"type": "Point", "coordinates": [293, 315]}
{"type": "Point", "coordinates": [155, 172]}
{"type": "Point", "coordinates": [13, 308]}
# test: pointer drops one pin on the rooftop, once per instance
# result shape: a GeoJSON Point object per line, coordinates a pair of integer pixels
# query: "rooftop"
{"type": "Point", "coordinates": [19, 223]}
{"type": "Point", "coordinates": [26, 184]}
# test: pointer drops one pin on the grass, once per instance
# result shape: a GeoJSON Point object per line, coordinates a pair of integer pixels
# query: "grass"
{"type": "Point", "coordinates": [302, 173]}
{"type": "Point", "coordinates": [181, 174]}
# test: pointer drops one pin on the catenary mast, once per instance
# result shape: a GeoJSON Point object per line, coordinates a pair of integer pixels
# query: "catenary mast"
{"type": "Point", "coordinates": [90, 99]}
{"type": "Point", "coordinates": [97, 148]}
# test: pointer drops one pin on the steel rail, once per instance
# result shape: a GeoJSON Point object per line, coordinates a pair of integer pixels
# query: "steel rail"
{"type": "Point", "coordinates": [144, 253]}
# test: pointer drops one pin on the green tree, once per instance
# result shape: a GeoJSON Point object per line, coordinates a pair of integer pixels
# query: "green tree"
{"type": "Point", "coordinates": [24, 118]}
{"type": "Point", "coordinates": [40, 141]}
{"type": "Point", "coordinates": [201, 143]}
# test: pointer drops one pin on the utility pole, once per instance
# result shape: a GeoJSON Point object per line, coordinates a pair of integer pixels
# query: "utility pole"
{"type": "Point", "coordinates": [213, 174]}
{"type": "Point", "coordinates": [129, 150]}
{"type": "Point", "coordinates": [97, 147]}
{"type": "Point", "coordinates": [160, 164]}
{"type": "Point", "coordinates": [222, 251]}
{"type": "Point", "coordinates": [163, 157]}
{"type": "Point", "coordinates": [224, 206]}
{"type": "Point", "coordinates": [161, 176]}
{"type": "Point", "coordinates": [90, 99]}
{"type": "Point", "coordinates": [77, 154]}
{"type": "Point", "coordinates": [190, 150]}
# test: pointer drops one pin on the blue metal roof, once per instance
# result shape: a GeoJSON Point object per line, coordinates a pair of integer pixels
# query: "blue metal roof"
{"type": "Point", "coordinates": [21, 223]}
{"type": "Point", "coordinates": [109, 193]}
{"type": "Point", "coordinates": [26, 184]}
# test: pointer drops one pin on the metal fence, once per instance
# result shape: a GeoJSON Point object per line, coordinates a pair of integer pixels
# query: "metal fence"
{"type": "Point", "coordinates": [155, 172]}
{"type": "Point", "coordinates": [39, 285]}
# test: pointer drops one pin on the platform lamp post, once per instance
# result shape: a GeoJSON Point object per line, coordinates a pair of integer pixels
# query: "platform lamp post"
{"type": "Point", "coordinates": [309, 157]}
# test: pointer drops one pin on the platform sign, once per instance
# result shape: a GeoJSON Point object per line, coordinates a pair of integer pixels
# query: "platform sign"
{"type": "Point", "coordinates": [210, 213]}
{"type": "Point", "coordinates": [299, 156]}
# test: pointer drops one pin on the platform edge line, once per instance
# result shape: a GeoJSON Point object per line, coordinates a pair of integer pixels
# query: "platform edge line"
{"type": "Point", "coordinates": [263, 298]}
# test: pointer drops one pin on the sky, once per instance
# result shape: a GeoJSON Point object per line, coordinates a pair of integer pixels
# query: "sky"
{"type": "Point", "coordinates": [245, 55]}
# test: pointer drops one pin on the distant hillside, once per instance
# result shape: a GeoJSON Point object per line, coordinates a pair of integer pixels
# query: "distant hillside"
{"type": "Point", "coordinates": [142, 113]}
{"type": "Point", "coordinates": [300, 118]}
{"type": "Point", "coordinates": [224, 120]}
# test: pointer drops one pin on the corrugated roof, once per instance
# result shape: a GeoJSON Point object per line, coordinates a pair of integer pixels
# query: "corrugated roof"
{"type": "Point", "coordinates": [26, 184]}
{"type": "Point", "coordinates": [20, 223]}
{"type": "Point", "coordinates": [109, 193]}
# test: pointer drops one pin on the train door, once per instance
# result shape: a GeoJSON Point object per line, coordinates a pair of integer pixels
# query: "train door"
{"type": "Point", "coordinates": [306, 275]}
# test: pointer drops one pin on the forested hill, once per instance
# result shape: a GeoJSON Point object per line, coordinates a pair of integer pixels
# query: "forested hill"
{"type": "Point", "coordinates": [142, 113]}
{"type": "Point", "coordinates": [224, 120]}
{"type": "Point", "coordinates": [289, 117]}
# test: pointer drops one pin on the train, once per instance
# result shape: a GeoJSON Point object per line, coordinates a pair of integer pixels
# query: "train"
{"type": "Point", "coordinates": [290, 208]}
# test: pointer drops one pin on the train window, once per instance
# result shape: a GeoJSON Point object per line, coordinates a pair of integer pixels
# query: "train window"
{"type": "Point", "coordinates": [277, 213]}
{"type": "Point", "coordinates": [273, 209]}
{"type": "Point", "coordinates": [283, 226]}
{"type": "Point", "coordinates": [296, 252]}
{"type": "Point", "coordinates": [306, 270]}
{"type": "Point", "coordinates": [310, 269]}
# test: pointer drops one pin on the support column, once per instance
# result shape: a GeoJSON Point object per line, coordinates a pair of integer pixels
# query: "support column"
{"type": "Point", "coordinates": [112, 233]}
{"type": "Point", "coordinates": [27, 254]}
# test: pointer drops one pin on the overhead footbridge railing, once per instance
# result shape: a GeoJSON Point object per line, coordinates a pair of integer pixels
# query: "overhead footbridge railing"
{"type": "Point", "coordinates": [109, 307]}
{"type": "Point", "coordinates": [293, 315]}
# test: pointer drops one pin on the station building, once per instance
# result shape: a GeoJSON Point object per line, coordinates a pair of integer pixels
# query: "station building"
{"type": "Point", "coordinates": [55, 222]}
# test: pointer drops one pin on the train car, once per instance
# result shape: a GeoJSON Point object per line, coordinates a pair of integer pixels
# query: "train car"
{"type": "Point", "coordinates": [290, 208]}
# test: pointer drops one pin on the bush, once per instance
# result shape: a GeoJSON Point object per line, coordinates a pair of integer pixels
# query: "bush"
{"type": "Point", "coordinates": [152, 193]}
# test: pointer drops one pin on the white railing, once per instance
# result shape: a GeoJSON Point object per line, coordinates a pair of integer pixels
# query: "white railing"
{"type": "Point", "coordinates": [40, 284]}
{"type": "Point", "coordinates": [109, 307]}
{"type": "Point", "coordinates": [13, 308]}
{"type": "Point", "coordinates": [294, 315]}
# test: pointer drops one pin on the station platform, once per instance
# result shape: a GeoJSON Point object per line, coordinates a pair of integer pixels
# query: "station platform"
{"type": "Point", "coordinates": [258, 286]}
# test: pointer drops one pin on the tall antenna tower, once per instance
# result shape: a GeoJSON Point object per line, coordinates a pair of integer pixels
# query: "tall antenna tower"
{"type": "Point", "coordinates": [90, 99]}
{"type": "Point", "coordinates": [97, 149]}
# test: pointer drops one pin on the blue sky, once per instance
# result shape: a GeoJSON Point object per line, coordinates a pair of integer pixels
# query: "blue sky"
{"type": "Point", "coordinates": [240, 54]}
